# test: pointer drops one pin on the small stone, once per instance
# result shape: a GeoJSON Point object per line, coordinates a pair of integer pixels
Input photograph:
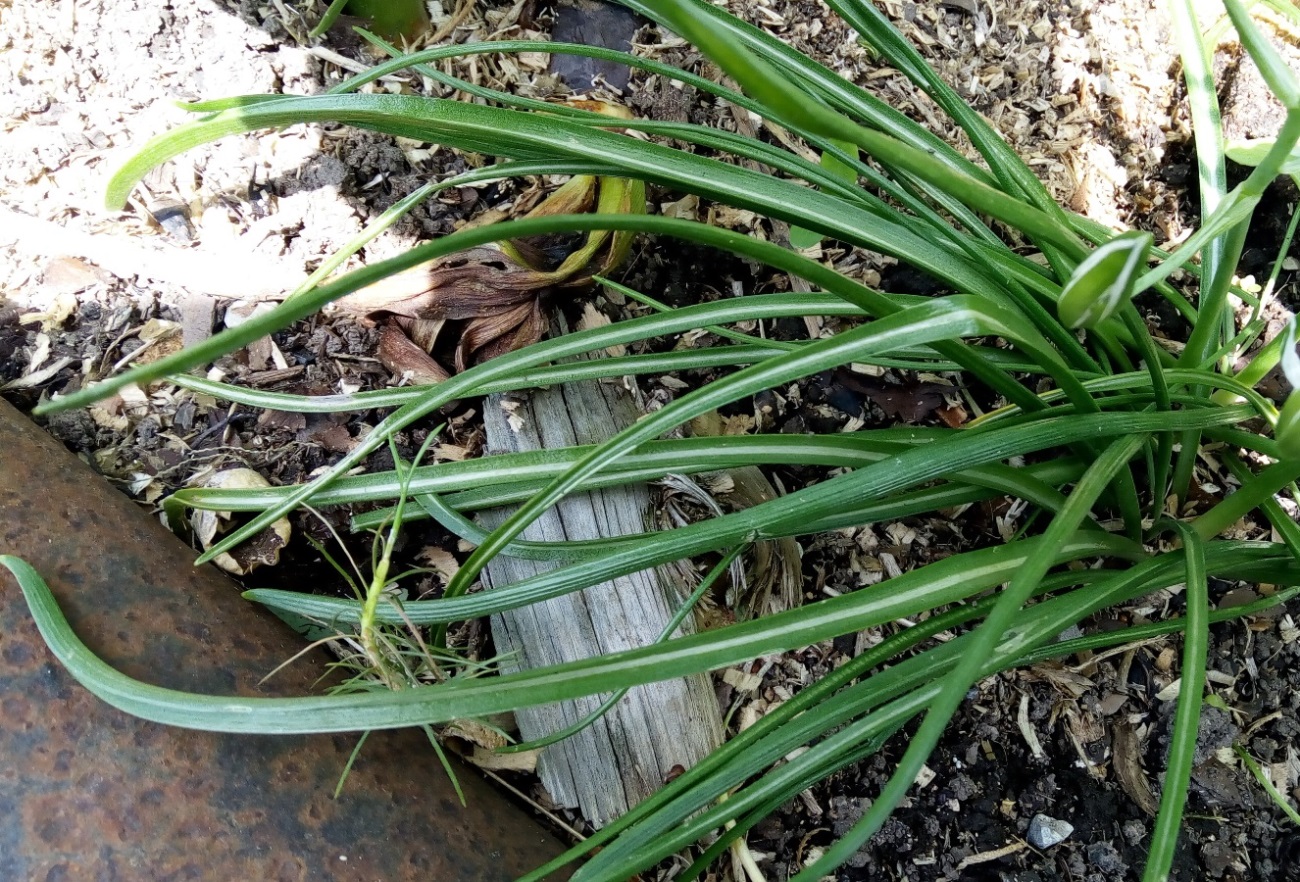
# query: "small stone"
{"type": "Point", "coordinates": [1044, 832]}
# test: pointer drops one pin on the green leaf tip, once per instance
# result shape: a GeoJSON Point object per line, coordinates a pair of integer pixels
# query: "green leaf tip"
{"type": "Point", "coordinates": [1253, 151]}
{"type": "Point", "coordinates": [1290, 359]}
{"type": "Point", "coordinates": [1287, 429]}
{"type": "Point", "coordinates": [1104, 281]}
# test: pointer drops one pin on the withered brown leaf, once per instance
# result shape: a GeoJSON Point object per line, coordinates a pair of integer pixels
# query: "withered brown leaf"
{"type": "Point", "coordinates": [464, 285]}
{"type": "Point", "coordinates": [399, 354]}
{"type": "Point", "coordinates": [497, 298]}
{"type": "Point", "coordinates": [497, 294]}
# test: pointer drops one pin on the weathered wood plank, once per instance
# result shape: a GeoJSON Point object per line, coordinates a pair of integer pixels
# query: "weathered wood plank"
{"type": "Point", "coordinates": [615, 763]}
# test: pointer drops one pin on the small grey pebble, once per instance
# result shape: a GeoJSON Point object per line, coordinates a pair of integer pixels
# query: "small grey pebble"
{"type": "Point", "coordinates": [1104, 857]}
{"type": "Point", "coordinates": [1134, 831]}
{"type": "Point", "coordinates": [1069, 633]}
{"type": "Point", "coordinates": [1044, 832]}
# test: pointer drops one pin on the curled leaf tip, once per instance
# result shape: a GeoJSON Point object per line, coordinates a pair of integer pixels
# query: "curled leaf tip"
{"type": "Point", "coordinates": [1104, 281]}
{"type": "Point", "coordinates": [1287, 430]}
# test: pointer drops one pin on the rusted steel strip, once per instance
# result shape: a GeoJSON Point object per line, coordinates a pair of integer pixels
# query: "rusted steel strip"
{"type": "Point", "coordinates": [87, 792]}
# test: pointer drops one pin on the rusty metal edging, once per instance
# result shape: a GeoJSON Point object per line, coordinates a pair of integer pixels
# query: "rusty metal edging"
{"type": "Point", "coordinates": [87, 792]}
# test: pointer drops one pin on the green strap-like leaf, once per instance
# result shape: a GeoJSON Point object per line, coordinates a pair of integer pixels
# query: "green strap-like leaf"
{"type": "Point", "coordinates": [803, 238]}
{"type": "Point", "coordinates": [832, 504]}
{"type": "Point", "coordinates": [944, 319]}
{"type": "Point", "coordinates": [1187, 716]}
{"type": "Point", "coordinates": [920, 589]}
{"type": "Point", "coordinates": [983, 643]}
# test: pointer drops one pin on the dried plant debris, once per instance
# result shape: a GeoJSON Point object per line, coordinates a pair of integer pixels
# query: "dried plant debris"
{"type": "Point", "coordinates": [498, 300]}
{"type": "Point", "coordinates": [497, 295]}
{"type": "Point", "coordinates": [910, 402]}
{"type": "Point", "coordinates": [775, 577]}
{"type": "Point", "coordinates": [262, 550]}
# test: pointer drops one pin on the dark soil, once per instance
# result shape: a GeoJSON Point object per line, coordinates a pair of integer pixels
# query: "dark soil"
{"type": "Point", "coordinates": [988, 785]}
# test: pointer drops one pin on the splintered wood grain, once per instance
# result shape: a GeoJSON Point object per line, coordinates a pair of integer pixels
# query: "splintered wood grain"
{"type": "Point", "coordinates": [626, 755]}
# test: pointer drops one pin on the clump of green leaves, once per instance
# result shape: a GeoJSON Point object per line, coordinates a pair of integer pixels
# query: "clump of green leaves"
{"type": "Point", "coordinates": [1113, 440]}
